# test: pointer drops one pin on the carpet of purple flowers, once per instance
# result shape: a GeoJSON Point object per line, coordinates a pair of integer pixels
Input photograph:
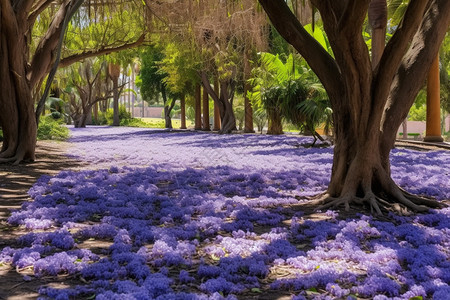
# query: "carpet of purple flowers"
{"type": "Point", "coordinates": [182, 215]}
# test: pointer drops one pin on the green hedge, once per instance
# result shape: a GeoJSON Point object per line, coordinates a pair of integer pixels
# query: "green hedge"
{"type": "Point", "coordinates": [51, 129]}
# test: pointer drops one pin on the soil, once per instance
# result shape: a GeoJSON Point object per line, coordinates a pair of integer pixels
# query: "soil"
{"type": "Point", "coordinates": [15, 181]}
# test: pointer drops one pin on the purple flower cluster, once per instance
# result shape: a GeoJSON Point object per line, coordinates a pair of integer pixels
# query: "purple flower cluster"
{"type": "Point", "coordinates": [209, 220]}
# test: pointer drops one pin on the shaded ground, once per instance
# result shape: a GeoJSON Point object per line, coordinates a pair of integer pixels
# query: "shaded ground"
{"type": "Point", "coordinates": [14, 184]}
{"type": "Point", "coordinates": [15, 181]}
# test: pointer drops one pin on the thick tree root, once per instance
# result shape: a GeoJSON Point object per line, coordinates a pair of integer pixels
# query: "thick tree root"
{"type": "Point", "coordinates": [398, 201]}
{"type": "Point", "coordinates": [421, 200]}
{"type": "Point", "coordinates": [16, 159]}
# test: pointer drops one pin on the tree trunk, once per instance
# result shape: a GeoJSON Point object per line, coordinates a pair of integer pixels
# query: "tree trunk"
{"type": "Point", "coordinates": [368, 104]}
{"type": "Point", "coordinates": [95, 110]}
{"type": "Point", "coordinates": [378, 22]}
{"type": "Point", "coordinates": [114, 71]}
{"type": "Point", "coordinates": [82, 121]}
{"type": "Point", "coordinates": [205, 111]}
{"type": "Point", "coordinates": [216, 106]}
{"type": "Point", "coordinates": [16, 106]}
{"type": "Point", "coordinates": [167, 109]}
{"type": "Point", "coordinates": [405, 128]}
{"type": "Point", "coordinates": [133, 87]}
{"type": "Point", "coordinates": [248, 110]}
{"type": "Point", "coordinates": [183, 112]}
{"type": "Point", "coordinates": [224, 101]}
{"type": "Point", "coordinates": [275, 125]}
{"type": "Point", "coordinates": [198, 107]}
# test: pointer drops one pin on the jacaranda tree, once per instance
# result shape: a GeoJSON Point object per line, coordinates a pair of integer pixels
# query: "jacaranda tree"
{"type": "Point", "coordinates": [26, 58]}
{"type": "Point", "coordinates": [369, 104]}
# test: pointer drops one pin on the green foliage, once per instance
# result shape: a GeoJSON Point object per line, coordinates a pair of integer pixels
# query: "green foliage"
{"type": "Point", "coordinates": [292, 88]}
{"type": "Point", "coordinates": [133, 122]}
{"type": "Point", "coordinates": [320, 36]}
{"type": "Point", "coordinates": [180, 64]}
{"type": "Point", "coordinates": [418, 112]}
{"type": "Point", "coordinates": [105, 26]}
{"type": "Point", "coordinates": [277, 44]}
{"type": "Point", "coordinates": [51, 129]}
{"type": "Point", "coordinates": [55, 106]}
{"type": "Point", "coordinates": [106, 118]}
{"type": "Point", "coordinates": [445, 73]}
{"type": "Point", "coordinates": [447, 136]}
{"type": "Point", "coordinates": [150, 80]}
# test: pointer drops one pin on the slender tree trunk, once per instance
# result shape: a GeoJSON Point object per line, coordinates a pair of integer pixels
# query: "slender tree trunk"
{"type": "Point", "coordinates": [405, 129]}
{"type": "Point", "coordinates": [198, 108]}
{"type": "Point", "coordinates": [248, 110]}
{"type": "Point", "coordinates": [205, 111]}
{"type": "Point", "coordinates": [95, 109]}
{"type": "Point", "coordinates": [114, 71]}
{"type": "Point", "coordinates": [167, 109]}
{"type": "Point", "coordinates": [116, 120]}
{"type": "Point", "coordinates": [183, 112]}
{"type": "Point", "coordinates": [133, 87]}
{"type": "Point", "coordinates": [216, 106]}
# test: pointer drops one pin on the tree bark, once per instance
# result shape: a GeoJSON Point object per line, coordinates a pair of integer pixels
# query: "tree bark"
{"type": "Point", "coordinates": [198, 107]}
{"type": "Point", "coordinates": [114, 72]}
{"type": "Point", "coordinates": [248, 110]}
{"type": "Point", "coordinates": [183, 112]}
{"type": "Point", "coordinates": [216, 106]}
{"type": "Point", "coordinates": [167, 109]}
{"type": "Point", "coordinates": [368, 104]}
{"type": "Point", "coordinates": [378, 22]}
{"type": "Point", "coordinates": [224, 101]}
{"type": "Point", "coordinates": [16, 105]}
{"type": "Point", "coordinates": [275, 125]}
{"type": "Point", "coordinates": [206, 126]}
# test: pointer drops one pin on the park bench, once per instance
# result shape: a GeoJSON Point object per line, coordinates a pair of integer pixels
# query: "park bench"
{"type": "Point", "coordinates": [415, 136]}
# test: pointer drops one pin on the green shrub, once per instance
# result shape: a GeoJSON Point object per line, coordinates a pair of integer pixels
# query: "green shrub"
{"type": "Point", "coordinates": [447, 136]}
{"type": "Point", "coordinates": [51, 129]}
{"type": "Point", "coordinates": [106, 118]}
{"type": "Point", "coordinates": [134, 123]}
{"type": "Point", "coordinates": [101, 119]}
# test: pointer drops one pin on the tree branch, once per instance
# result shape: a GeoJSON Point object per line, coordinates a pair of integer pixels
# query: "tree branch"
{"type": "Point", "coordinates": [415, 66]}
{"type": "Point", "coordinates": [69, 12]}
{"type": "Point", "coordinates": [317, 57]}
{"type": "Point", "coordinates": [102, 51]}
{"type": "Point", "coordinates": [207, 85]}
{"type": "Point", "coordinates": [355, 10]}
{"type": "Point", "coordinates": [395, 50]}
{"type": "Point", "coordinates": [9, 21]}
{"type": "Point", "coordinates": [39, 7]}
{"type": "Point", "coordinates": [43, 56]}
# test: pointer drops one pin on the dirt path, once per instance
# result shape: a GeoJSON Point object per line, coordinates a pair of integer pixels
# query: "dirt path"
{"type": "Point", "coordinates": [15, 181]}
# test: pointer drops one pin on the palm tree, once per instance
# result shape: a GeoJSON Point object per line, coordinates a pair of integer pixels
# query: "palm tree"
{"type": "Point", "coordinates": [290, 90]}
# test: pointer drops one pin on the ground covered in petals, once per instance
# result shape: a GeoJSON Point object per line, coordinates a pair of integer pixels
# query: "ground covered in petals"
{"type": "Point", "coordinates": [183, 215]}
